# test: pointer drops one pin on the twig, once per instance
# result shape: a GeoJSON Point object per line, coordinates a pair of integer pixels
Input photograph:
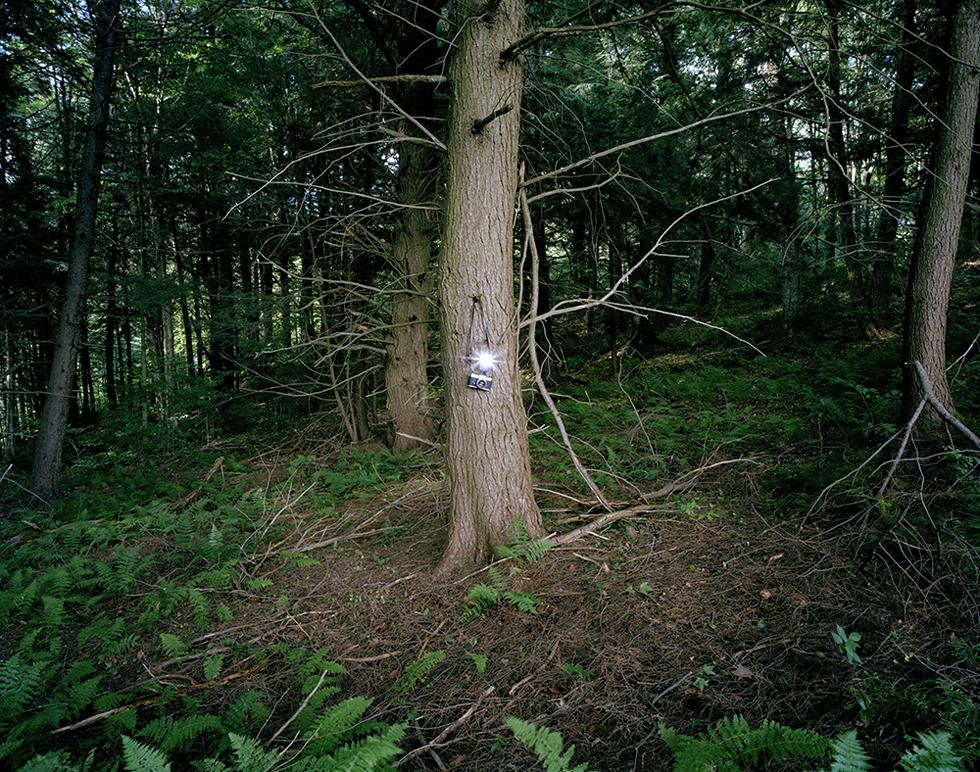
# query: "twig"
{"type": "Point", "coordinates": [155, 698]}
{"type": "Point", "coordinates": [302, 705]}
{"type": "Point", "coordinates": [600, 522]}
{"type": "Point", "coordinates": [533, 354]}
{"type": "Point", "coordinates": [901, 449]}
{"type": "Point", "coordinates": [441, 737]}
{"type": "Point", "coordinates": [480, 124]}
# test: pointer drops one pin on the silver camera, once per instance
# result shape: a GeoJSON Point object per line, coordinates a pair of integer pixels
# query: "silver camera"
{"type": "Point", "coordinates": [480, 381]}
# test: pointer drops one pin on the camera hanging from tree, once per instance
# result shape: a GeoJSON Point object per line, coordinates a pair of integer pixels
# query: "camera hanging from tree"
{"type": "Point", "coordinates": [481, 357]}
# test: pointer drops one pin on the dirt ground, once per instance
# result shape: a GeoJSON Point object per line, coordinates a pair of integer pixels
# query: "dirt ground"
{"type": "Point", "coordinates": [661, 618]}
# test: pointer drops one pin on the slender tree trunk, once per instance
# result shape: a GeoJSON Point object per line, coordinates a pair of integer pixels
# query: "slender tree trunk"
{"type": "Point", "coordinates": [111, 321]}
{"type": "Point", "coordinates": [406, 374]}
{"type": "Point", "coordinates": [883, 268]}
{"type": "Point", "coordinates": [46, 471]}
{"type": "Point", "coordinates": [10, 396]}
{"type": "Point", "coordinates": [185, 313]}
{"type": "Point", "coordinates": [85, 366]}
{"type": "Point", "coordinates": [934, 254]}
{"type": "Point", "coordinates": [837, 180]}
{"type": "Point", "coordinates": [487, 457]}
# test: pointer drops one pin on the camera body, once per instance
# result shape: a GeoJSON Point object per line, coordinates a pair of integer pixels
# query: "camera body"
{"type": "Point", "coordinates": [479, 381]}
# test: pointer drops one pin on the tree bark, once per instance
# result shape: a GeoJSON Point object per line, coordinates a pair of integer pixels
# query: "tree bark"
{"type": "Point", "coordinates": [406, 374]}
{"type": "Point", "coordinates": [934, 254]}
{"type": "Point", "coordinates": [487, 458]}
{"type": "Point", "coordinates": [837, 180]}
{"type": "Point", "coordinates": [883, 268]}
{"type": "Point", "coordinates": [46, 471]}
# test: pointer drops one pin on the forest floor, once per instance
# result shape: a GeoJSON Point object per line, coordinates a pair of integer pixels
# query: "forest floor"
{"type": "Point", "coordinates": [228, 579]}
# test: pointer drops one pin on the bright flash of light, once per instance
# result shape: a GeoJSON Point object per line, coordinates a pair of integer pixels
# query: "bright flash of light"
{"type": "Point", "coordinates": [485, 360]}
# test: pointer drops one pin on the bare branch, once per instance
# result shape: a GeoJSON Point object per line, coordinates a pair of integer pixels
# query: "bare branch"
{"type": "Point", "coordinates": [382, 79]}
{"type": "Point", "coordinates": [533, 352]}
{"type": "Point", "coordinates": [940, 408]}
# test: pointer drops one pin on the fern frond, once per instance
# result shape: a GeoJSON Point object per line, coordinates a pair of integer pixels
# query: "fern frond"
{"type": "Point", "coordinates": [143, 758]}
{"type": "Point", "coordinates": [371, 754]}
{"type": "Point", "coordinates": [212, 666]}
{"type": "Point", "coordinates": [19, 682]}
{"type": "Point", "coordinates": [547, 745]}
{"type": "Point", "coordinates": [417, 670]}
{"type": "Point", "coordinates": [247, 706]}
{"type": "Point", "coordinates": [184, 731]}
{"type": "Point", "coordinates": [733, 742]}
{"type": "Point", "coordinates": [334, 727]}
{"type": "Point", "coordinates": [847, 755]}
{"type": "Point", "coordinates": [480, 598]}
{"type": "Point", "coordinates": [249, 755]}
{"type": "Point", "coordinates": [173, 646]}
{"type": "Point", "coordinates": [54, 761]}
{"type": "Point", "coordinates": [522, 601]}
{"type": "Point", "coordinates": [933, 753]}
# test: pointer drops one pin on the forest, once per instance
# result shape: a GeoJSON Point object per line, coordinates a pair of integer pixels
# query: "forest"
{"type": "Point", "coordinates": [490, 385]}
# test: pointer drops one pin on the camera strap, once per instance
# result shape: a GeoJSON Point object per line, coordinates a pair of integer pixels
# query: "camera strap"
{"type": "Point", "coordinates": [478, 306]}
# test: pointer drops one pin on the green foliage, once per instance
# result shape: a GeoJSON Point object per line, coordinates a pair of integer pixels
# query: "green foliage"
{"type": "Point", "coordinates": [142, 758]}
{"type": "Point", "coordinates": [733, 744]}
{"type": "Point", "coordinates": [847, 643]}
{"type": "Point", "coordinates": [521, 547]}
{"type": "Point", "coordinates": [482, 597]}
{"type": "Point", "coordinates": [546, 744]}
{"type": "Point", "coordinates": [847, 754]}
{"type": "Point", "coordinates": [250, 756]}
{"type": "Point", "coordinates": [417, 671]}
{"type": "Point", "coordinates": [479, 661]}
{"type": "Point", "coordinates": [932, 753]}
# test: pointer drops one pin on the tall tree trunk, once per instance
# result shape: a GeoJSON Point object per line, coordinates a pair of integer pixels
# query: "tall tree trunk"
{"type": "Point", "coordinates": [110, 319]}
{"type": "Point", "coordinates": [487, 456]}
{"type": "Point", "coordinates": [883, 268]}
{"type": "Point", "coordinates": [46, 471]}
{"type": "Point", "coordinates": [406, 376]}
{"type": "Point", "coordinates": [934, 254]}
{"type": "Point", "coordinates": [837, 179]}
{"type": "Point", "coordinates": [9, 396]}
{"type": "Point", "coordinates": [85, 367]}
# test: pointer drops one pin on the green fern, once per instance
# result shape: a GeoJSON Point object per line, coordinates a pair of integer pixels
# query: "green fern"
{"type": "Point", "coordinates": [186, 730]}
{"type": "Point", "coordinates": [335, 726]}
{"type": "Point", "coordinates": [247, 708]}
{"type": "Point", "coordinates": [847, 755]}
{"type": "Point", "coordinates": [19, 683]}
{"type": "Point", "coordinates": [212, 666]}
{"type": "Point", "coordinates": [370, 754]}
{"type": "Point", "coordinates": [173, 646]}
{"type": "Point", "coordinates": [143, 758]}
{"type": "Point", "coordinates": [417, 670]}
{"type": "Point", "coordinates": [933, 753]}
{"type": "Point", "coordinates": [522, 601]}
{"type": "Point", "coordinates": [732, 742]}
{"type": "Point", "coordinates": [548, 745]}
{"type": "Point", "coordinates": [249, 755]}
{"type": "Point", "coordinates": [480, 598]}
{"type": "Point", "coordinates": [521, 547]}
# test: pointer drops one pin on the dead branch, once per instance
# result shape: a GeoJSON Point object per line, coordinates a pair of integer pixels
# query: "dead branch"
{"type": "Point", "coordinates": [381, 79]}
{"type": "Point", "coordinates": [599, 523]}
{"type": "Point", "coordinates": [531, 38]}
{"type": "Point", "coordinates": [533, 353]}
{"type": "Point", "coordinates": [940, 408]}
{"type": "Point", "coordinates": [441, 737]}
{"type": "Point", "coordinates": [156, 698]}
